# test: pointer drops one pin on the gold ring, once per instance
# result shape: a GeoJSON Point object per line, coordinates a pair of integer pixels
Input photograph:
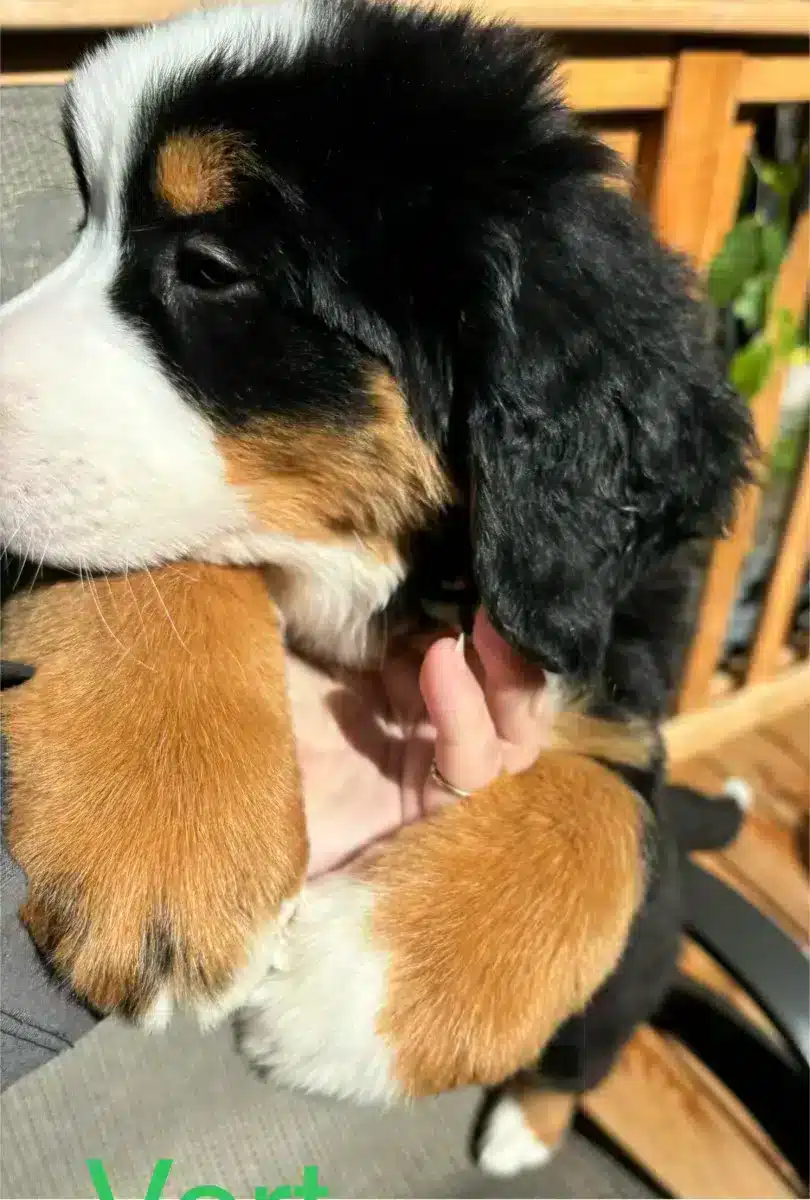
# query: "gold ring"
{"type": "Point", "coordinates": [445, 784]}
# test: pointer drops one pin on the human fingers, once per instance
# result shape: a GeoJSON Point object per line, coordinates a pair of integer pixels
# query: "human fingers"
{"type": "Point", "coordinates": [515, 693]}
{"type": "Point", "coordinates": [467, 750]}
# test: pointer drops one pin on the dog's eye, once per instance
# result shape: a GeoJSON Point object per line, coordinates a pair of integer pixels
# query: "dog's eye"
{"type": "Point", "coordinates": [206, 265]}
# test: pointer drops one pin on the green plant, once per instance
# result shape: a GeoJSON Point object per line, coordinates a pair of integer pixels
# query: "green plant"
{"type": "Point", "coordinates": [742, 275]}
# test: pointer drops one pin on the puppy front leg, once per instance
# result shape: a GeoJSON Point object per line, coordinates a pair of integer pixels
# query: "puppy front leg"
{"type": "Point", "coordinates": [456, 954]}
{"type": "Point", "coordinates": [155, 802]}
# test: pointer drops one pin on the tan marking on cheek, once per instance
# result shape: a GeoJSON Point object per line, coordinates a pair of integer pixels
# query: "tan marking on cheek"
{"type": "Point", "coordinates": [155, 800]}
{"type": "Point", "coordinates": [196, 172]}
{"type": "Point", "coordinates": [377, 482]}
{"type": "Point", "coordinates": [503, 914]}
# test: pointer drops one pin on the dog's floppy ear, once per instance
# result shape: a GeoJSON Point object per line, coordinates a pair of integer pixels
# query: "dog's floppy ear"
{"type": "Point", "coordinates": [601, 432]}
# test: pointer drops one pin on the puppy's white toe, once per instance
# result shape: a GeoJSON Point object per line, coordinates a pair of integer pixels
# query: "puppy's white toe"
{"type": "Point", "coordinates": [740, 791]}
{"type": "Point", "coordinates": [314, 1024]}
{"type": "Point", "coordinates": [508, 1146]}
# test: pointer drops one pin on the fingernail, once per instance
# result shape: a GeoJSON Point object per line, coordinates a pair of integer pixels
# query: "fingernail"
{"type": "Point", "coordinates": [460, 644]}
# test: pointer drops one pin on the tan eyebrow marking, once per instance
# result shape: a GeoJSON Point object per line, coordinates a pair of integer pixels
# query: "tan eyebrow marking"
{"type": "Point", "coordinates": [196, 172]}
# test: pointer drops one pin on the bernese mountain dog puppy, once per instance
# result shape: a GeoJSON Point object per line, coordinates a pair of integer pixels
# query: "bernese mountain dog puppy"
{"type": "Point", "coordinates": [354, 308]}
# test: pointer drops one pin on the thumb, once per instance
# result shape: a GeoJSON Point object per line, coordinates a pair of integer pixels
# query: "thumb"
{"type": "Point", "coordinates": [468, 753]}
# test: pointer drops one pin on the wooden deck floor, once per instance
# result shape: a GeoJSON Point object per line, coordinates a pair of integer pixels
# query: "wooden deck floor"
{"type": "Point", "coordinates": [660, 1102]}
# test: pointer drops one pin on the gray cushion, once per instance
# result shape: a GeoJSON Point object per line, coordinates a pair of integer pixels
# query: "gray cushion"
{"type": "Point", "coordinates": [39, 207]}
{"type": "Point", "coordinates": [130, 1099]}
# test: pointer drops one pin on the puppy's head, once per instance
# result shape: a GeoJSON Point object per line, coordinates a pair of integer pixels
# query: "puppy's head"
{"type": "Point", "coordinates": [342, 265]}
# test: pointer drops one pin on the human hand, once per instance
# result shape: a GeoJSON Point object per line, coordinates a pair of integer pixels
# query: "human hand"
{"type": "Point", "coordinates": [366, 740]}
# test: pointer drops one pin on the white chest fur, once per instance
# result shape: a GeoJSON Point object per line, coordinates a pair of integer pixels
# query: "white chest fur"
{"type": "Point", "coordinates": [330, 595]}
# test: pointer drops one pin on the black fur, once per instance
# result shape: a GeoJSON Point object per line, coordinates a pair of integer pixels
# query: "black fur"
{"type": "Point", "coordinates": [428, 202]}
{"type": "Point", "coordinates": [648, 640]}
{"type": "Point", "coordinates": [584, 1050]}
{"type": "Point", "coordinates": [648, 634]}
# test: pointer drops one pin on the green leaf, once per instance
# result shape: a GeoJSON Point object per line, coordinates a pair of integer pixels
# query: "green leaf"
{"type": "Point", "coordinates": [774, 244]}
{"type": "Point", "coordinates": [800, 357]}
{"type": "Point", "coordinates": [785, 333]}
{"type": "Point", "coordinates": [751, 366]}
{"type": "Point", "coordinates": [787, 453]}
{"type": "Point", "coordinates": [738, 258]}
{"type": "Point", "coordinates": [782, 178]}
{"type": "Point", "coordinates": [752, 302]}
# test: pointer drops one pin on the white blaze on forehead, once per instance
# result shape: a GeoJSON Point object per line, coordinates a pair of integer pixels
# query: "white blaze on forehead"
{"type": "Point", "coordinates": [115, 82]}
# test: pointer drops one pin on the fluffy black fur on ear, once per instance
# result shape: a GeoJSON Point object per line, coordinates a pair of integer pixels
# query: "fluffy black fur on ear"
{"type": "Point", "coordinates": [603, 434]}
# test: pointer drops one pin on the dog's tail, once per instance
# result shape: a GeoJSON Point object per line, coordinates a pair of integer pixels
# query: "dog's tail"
{"type": "Point", "coordinates": [702, 822]}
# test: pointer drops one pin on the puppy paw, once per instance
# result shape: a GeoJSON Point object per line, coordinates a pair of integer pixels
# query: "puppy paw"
{"type": "Point", "coordinates": [154, 799]}
{"type": "Point", "coordinates": [523, 1131]}
{"type": "Point", "coordinates": [144, 968]}
{"type": "Point", "coordinates": [508, 1144]}
{"type": "Point", "coordinates": [313, 1023]}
